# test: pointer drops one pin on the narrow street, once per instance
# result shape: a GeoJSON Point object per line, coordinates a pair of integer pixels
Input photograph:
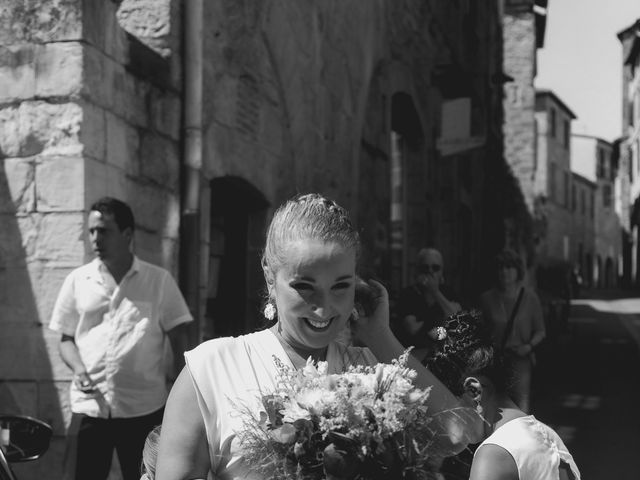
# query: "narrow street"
{"type": "Point", "coordinates": [587, 385]}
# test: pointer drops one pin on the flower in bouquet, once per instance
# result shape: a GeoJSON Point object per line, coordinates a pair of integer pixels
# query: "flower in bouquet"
{"type": "Point", "coordinates": [368, 423]}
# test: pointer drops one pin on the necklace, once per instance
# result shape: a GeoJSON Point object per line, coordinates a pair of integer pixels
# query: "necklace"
{"type": "Point", "coordinates": [298, 356]}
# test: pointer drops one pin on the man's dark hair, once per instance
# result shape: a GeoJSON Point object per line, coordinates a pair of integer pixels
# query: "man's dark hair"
{"type": "Point", "coordinates": [121, 212]}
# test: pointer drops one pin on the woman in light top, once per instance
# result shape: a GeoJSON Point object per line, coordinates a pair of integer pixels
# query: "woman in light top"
{"type": "Point", "coordinates": [309, 265]}
{"type": "Point", "coordinates": [514, 315]}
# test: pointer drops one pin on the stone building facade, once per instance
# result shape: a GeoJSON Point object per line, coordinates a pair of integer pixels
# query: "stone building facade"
{"type": "Point", "coordinates": [552, 180]}
{"type": "Point", "coordinates": [524, 31]}
{"type": "Point", "coordinates": [338, 97]}
{"type": "Point", "coordinates": [594, 158]}
{"type": "Point", "coordinates": [583, 235]}
{"type": "Point", "coordinates": [629, 151]}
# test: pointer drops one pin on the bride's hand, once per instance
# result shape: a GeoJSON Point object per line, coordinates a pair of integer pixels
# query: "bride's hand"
{"type": "Point", "coordinates": [372, 303]}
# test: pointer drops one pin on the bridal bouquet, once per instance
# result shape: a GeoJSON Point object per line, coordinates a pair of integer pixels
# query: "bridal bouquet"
{"type": "Point", "coordinates": [366, 423]}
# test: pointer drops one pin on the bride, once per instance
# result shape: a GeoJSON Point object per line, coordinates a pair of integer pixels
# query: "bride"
{"type": "Point", "coordinates": [309, 264]}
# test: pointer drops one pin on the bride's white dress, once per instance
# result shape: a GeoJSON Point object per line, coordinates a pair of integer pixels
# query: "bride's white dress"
{"type": "Point", "coordinates": [231, 374]}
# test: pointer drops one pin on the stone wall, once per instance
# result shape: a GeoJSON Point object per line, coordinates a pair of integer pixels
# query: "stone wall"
{"type": "Point", "coordinates": [78, 120]}
{"type": "Point", "coordinates": [519, 101]}
{"type": "Point", "coordinates": [303, 100]}
{"type": "Point", "coordinates": [554, 156]}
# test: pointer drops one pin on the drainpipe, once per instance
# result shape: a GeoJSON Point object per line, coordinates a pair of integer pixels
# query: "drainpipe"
{"type": "Point", "coordinates": [192, 160]}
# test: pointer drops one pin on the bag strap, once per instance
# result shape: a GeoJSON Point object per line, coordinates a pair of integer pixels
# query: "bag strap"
{"type": "Point", "coordinates": [512, 318]}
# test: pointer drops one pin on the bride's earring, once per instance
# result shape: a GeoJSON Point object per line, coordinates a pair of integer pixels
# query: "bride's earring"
{"type": "Point", "coordinates": [269, 311]}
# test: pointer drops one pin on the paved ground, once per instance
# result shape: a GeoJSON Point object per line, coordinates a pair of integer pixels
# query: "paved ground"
{"type": "Point", "coordinates": [587, 385]}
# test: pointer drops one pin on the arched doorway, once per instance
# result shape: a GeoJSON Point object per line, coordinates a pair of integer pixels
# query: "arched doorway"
{"type": "Point", "coordinates": [236, 232]}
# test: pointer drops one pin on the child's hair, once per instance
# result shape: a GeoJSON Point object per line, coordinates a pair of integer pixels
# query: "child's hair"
{"type": "Point", "coordinates": [464, 350]}
{"type": "Point", "coordinates": [150, 454]}
{"type": "Point", "coordinates": [310, 216]}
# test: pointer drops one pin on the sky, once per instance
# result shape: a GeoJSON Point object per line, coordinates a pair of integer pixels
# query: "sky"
{"type": "Point", "coordinates": [581, 61]}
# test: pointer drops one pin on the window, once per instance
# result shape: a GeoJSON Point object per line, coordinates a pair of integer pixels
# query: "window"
{"type": "Point", "coordinates": [552, 122]}
{"type": "Point", "coordinates": [583, 203]}
{"type": "Point", "coordinates": [567, 133]}
{"type": "Point", "coordinates": [567, 191]}
{"type": "Point", "coordinates": [592, 205]}
{"type": "Point", "coordinates": [573, 198]}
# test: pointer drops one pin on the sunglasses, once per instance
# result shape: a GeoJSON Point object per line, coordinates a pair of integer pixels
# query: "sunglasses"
{"type": "Point", "coordinates": [429, 267]}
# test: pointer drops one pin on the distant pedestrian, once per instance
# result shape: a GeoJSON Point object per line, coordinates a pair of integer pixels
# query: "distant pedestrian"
{"type": "Point", "coordinates": [514, 314]}
{"type": "Point", "coordinates": [424, 305]}
{"type": "Point", "coordinates": [115, 315]}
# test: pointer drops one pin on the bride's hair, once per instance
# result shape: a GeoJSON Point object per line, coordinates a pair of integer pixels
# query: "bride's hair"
{"type": "Point", "coordinates": [464, 350]}
{"type": "Point", "coordinates": [307, 217]}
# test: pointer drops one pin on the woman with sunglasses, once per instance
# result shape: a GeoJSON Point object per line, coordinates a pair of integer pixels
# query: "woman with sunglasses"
{"type": "Point", "coordinates": [424, 306]}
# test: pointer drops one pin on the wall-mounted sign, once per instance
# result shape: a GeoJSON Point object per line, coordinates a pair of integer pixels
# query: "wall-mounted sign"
{"type": "Point", "coordinates": [455, 128]}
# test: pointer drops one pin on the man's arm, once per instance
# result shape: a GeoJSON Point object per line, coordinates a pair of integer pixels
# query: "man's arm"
{"type": "Point", "coordinates": [179, 340]}
{"type": "Point", "coordinates": [71, 357]}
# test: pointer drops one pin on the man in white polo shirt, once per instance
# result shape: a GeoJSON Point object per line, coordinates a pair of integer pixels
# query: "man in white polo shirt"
{"type": "Point", "coordinates": [115, 315]}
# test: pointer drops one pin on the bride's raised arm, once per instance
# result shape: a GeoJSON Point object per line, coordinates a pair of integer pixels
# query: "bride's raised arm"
{"type": "Point", "coordinates": [453, 415]}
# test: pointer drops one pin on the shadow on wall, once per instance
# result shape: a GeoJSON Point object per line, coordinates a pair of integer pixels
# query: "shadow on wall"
{"type": "Point", "coordinates": [26, 374]}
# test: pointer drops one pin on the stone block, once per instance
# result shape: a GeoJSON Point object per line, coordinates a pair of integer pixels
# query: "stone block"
{"type": "Point", "coordinates": [102, 30]}
{"type": "Point", "coordinates": [92, 131]}
{"type": "Point", "coordinates": [98, 82]}
{"type": "Point", "coordinates": [32, 128]}
{"type": "Point", "coordinates": [123, 144]}
{"type": "Point", "coordinates": [19, 178]}
{"type": "Point", "coordinates": [59, 239]}
{"type": "Point", "coordinates": [59, 69]}
{"type": "Point", "coordinates": [160, 160]}
{"type": "Point", "coordinates": [165, 112]}
{"type": "Point", "coordinates": [59, 184]}
{"type": "Point", "coordinates": [13, 246]}
{"type": "Point", "coordinates": [131, 97]}
{"type": "Point", "coordinates": [95, 180]}
{"type": "Point", "coordinates": [119, 185]}
{"type": "Point", "coordinates": [40, 22]}
{"type": "Point", "coordinates": [17, 73]}
{"type": "Point", "coordinates": [149, 204]}
{"type": "Point", "coordinates": [149, 21]}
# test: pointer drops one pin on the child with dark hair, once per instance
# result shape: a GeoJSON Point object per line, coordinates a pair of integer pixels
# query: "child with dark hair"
{"type": "Point", "coordinates": [514, 445]}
